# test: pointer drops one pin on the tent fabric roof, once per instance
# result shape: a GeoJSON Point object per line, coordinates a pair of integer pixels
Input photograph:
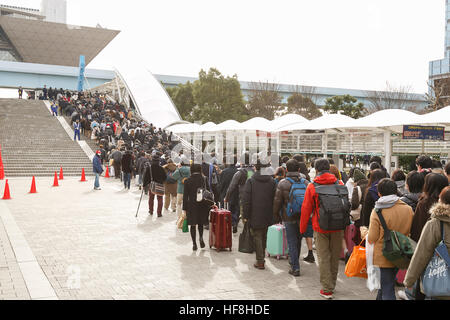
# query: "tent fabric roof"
{"type": "Point", "coordinates": [390, 118]}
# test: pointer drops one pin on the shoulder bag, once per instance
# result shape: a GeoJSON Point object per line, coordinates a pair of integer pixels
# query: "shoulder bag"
{"type": "Point", "coordinates": [156, 187]}
{"type": "Point", "coordinates": [397, 248]}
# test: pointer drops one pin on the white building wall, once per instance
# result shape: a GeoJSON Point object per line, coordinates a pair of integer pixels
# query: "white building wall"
{"type": "Point", "coordinates": [54, 10]}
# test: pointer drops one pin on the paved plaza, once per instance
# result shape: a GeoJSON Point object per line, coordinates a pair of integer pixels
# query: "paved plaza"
{"type": "Point", "coordinates": [71, 242]}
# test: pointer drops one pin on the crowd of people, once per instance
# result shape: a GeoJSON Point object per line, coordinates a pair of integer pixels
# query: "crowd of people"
{"type": "Point", "coordinates": [412, 203]}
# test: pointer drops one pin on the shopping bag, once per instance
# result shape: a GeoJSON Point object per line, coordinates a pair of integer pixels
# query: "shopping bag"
{"type": "Point", "coordinates": [373, 272]}
{"type": "Point", "coordinates": [246, 240]}
{"type": "Point", "coordinates": [180, 221]}
{"type": "Point", "coordinates": [113, 173]}
{"type": "Point", "coordinates": [185, 226]}
{"type": "Point", "coordinates": [356, 265]}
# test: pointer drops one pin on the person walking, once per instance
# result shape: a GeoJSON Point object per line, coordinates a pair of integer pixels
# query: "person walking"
{"type": "Point", "coordinates": [181, 175]}
{"type": "Point", "coordinates": [127, 168]}
{"type": "Point", "coordinates": [20, 92]}
{"type": "Point", "coordinates": [197, 212]}
{"type": "Point", "coordinates": [170, 186]}
{"type": "Point", "coordinates": [116, 156]}
{"type": "Point", "coordinates": [98, 169]}
{"type": "Point", "coordinates": [76, 129]}
{"type": "Point", "coordinates": [434, 183]}
{"type": "Point", "coordinates": [154, 173]}
{"type": "Point", "coordinates": [54, 109]}
{"type": "Point", "coordinates": [292, 223]}
{"type": "Point", "coordinates": [413, 186]}
{"type": "Point", "coordinates": [398, 216]}
{"type": "Point", "coordinates": [225, 181]}
{"type": "Point", "coordinates": [371, 195]}
{"type": "Point", "coordinates": [430, 238]}
{"type": "Point", "coordinates": [328, 243]}
{"type": "Point", "coordinates": [257, 205]}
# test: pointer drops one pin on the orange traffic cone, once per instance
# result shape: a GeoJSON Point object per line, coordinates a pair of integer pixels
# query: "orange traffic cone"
{"type": "Point", "coordinates": [6, 195]}
{"type": "Point", "coordinates": [33, 186]}
{"type": "Point", "coordinates": [2, 170]}
{"type": "Point", "coordinates": [107, 172]}
{"type": "Point", "coordinates": [83, 176]}
{"type": "Point", "coordinates": [61, 175]}
{"type": "Point", "coordinates": [55, 181]}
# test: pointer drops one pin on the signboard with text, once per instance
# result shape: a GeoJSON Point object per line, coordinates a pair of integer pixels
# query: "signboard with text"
{"type": "Point", "coordinates": [412, 132]}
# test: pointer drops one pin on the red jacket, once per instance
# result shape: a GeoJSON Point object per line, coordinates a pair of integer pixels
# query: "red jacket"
{"type": "Point", "coordinates": [312, 201]}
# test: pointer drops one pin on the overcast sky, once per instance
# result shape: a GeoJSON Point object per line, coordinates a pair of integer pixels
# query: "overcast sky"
{"type": "Point", "coordinates": [358, 44]}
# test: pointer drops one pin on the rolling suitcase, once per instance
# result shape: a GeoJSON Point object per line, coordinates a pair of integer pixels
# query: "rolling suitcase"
{"type": "Point", "coordinates": [220, 229]}
{"type": "Point", "coordinates": [276, 244]}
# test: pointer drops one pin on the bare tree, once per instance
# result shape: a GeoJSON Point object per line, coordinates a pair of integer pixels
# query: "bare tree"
{"type": "Point", "coordinates": [264, 99]}
{"type": "Point", "coordinates": [392, 98]}
{"type": "Point", "coordinates": [437, 95]}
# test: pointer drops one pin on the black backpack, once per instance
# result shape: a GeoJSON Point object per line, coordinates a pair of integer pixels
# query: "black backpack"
{"type": "Point", "coordinates": [334, 206]}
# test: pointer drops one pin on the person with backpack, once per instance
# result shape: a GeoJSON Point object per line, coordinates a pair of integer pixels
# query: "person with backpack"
{"type": "Point", "coordinates": [436, 229]}
{"type": "Point", "coordinates": [326, 200]}
{"type": "Point", "coordinates": [257, 203]}
{"type": "Point", "coordinates": [181, 175]}
{"type": "Point", "coordinates": [170, 186]}
{"type": "Point", "coordinates": [289, 199]}
{"type": "Point", "coordinates": [244, 173]}
{"type": "Point", "coordinates": [398, 217]}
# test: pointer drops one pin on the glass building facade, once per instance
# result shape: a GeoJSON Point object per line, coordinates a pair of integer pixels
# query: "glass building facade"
{"type": "Point", "coordinates": [442, 67]}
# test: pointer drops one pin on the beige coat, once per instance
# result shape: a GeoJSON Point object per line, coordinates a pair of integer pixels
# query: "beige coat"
{"type": "Point", "coordinates": [398, 218]}
{"type": "Point", "coordinates": [429, 239]}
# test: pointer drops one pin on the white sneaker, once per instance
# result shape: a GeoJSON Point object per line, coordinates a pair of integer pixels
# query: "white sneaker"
{"type": "Point", "coordinates": [402, 295]}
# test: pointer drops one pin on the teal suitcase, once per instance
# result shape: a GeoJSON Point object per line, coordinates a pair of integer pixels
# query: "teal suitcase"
{"type": "Point", "coordinates": [277, 245]}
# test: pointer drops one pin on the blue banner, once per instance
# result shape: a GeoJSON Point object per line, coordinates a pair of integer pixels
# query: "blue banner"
{"type": "Point", "coordinates": [81, 76]}
{"type": "Point", "coordinates": [423, 132]}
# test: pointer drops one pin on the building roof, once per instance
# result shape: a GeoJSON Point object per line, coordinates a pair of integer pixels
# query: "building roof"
{"type": "Point", "coordinates": [55, 43]}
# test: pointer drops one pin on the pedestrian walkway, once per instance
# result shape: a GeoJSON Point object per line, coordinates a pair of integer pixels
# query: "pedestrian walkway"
{"type": "Point", "coordinates": [89, 245]}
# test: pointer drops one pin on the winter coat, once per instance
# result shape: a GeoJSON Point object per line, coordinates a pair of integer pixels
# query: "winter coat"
{"type": "Point", "coordinates": [429, 240]}
{"type": "Point", "coordinates": [127, 162]}
{"type": "Point", "coordinates": [257, 200]}
{"type": "Point", "coordinates": [356, 202]}
{"type": "Point", "coordinates": [157, 174]}
{"type": "Point", "coordinates": [197, 213]}
{"type": "Point", "coordinates": [97, 165]}
{"type": "Point", "coordinates": [411, 199]}
{"type": "Point", "coordinates": [311, 202]}
{"type": "Point", "coordinates": [225, 181]}
{"type": "Point", "coordinates": [281, 199]}
{"type": "Point", "coordinates": [369, 203]}
{"type": "Point", "coordinates": [170, 188]}
{"type": "Point", "coordinates": [117, 156]}
{"type": "Point", "coordinates": [421, 216]}
{"type": "Point", "coordinates": [398, 218]}
{"type": "Point", "coordinates": [238, 183]}
{"type": "Point", "coordinates": [179, 175]}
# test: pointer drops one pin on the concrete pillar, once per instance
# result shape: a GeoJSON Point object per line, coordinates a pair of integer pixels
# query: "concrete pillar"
{"type": "Point", "coordinates": [325, 145]}
{"type": "Point", "coordinates": [387, 150]}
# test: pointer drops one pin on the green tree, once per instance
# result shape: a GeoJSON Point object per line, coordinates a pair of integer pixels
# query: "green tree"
{"type": "Point", "coordinates": [183, 98]}
{"type": "Point", "coordinates": [346, 105]}
{"type": "Point", "coordinates": [217, 98]}
{"type": "Point", "coordinates": [264, 100]}
{"type": "Point", "coordinates": [304, 106]}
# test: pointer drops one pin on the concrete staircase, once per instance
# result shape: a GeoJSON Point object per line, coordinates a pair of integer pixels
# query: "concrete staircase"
{"type": "Point", "coordinates": [33, 143]}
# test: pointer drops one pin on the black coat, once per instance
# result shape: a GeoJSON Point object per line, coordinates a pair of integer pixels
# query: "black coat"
{"type": "Point", "coordinates": [257, 201]}
{"type": "Point", "coordinates": [157, 174]}
{"type": "Point", "coordinates": [225, 181]}
{"type": "Point", "coordinates": [127, 163]}
{"type": "Point", "coordinates": [197, 212]}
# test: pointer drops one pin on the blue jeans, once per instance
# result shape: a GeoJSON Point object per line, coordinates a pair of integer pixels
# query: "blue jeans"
{"type": "Point", "coordinates": [76, 133]}
{"type": "Point", "coordinates": [294, 239]}
{"type": "Point", "coordinates": [235, 210]}
{"type": "Point", "coordinates": [97, 181]}
{"type": "Point", "coordinates": [127, 179]}
{"type": "Point", "coordinates": [387, 281]}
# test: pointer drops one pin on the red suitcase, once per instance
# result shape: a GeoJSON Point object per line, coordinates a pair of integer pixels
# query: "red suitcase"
{"type": "Point", "coordinates": [220, 229]}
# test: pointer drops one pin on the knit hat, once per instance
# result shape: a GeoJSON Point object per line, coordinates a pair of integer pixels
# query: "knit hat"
{"type": "Point", "coordinates": [358, 175]}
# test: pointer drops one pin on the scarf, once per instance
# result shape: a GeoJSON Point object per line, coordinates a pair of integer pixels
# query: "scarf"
{"type": "Point", "coordinates": [386, 202]}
